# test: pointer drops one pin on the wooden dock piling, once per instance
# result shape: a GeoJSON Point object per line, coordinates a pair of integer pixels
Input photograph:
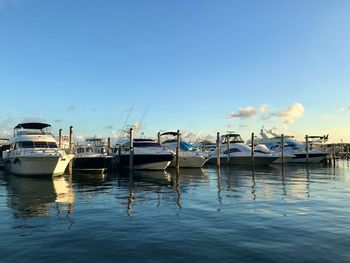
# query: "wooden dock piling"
{"type": "Point", "coordinates": [177, 163]}
{"type": "Point", "coordinates": [158, 136]}
{"type": "Point", "coordinates": [282, 149]}
{"type": "Point", "coordinates": [218, 149]}
{"type": "Point", "coordinates": [71, 140]}
{"type": "Point", "coordinates": [60, 139]}
{"type": "Point", "coordinates": [131, 150]}
{"type": "Point", "coordinates": [307, 147]}
{"type": "Point", "coordinates": [252, 148]}
{"type": "Point", "coordinates": [228, 150]}
{"type": "Point", "coordinates": [108, 145]}
{"type": "Point", "coordinates": [333, 154]}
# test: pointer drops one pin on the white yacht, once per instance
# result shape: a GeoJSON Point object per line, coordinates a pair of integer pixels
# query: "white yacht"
{"type": "Point", "coordinates": [148, 154]}
{"type": "Point", "coordinates": [292, 147]}
{"type": "Point", "coordinates": [93, 156]}
{"type": "Point", "coordinates": [33, 151]}
{"type": "Point", "coordinates": [235, 152]}
{"type": "Point", "coordinates": [188, 156]}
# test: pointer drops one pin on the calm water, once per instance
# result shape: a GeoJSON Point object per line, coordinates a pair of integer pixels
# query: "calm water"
{"type": "Point", "coordinates": [299, 214]}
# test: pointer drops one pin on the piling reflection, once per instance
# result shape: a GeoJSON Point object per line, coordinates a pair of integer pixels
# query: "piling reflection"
{"type": "Point", "coordinates": [264, 183]}
{"type": "Point", "coordinates": [32, 197]}
{"type": "Point", "coordinates": [159, 187]}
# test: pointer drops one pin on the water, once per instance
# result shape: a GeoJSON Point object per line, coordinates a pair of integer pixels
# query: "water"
{"type": "Point", "coordinates": [299, 214]}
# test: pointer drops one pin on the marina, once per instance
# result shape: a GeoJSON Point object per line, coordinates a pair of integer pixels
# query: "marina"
{"type": "Point", "coordinates": [174, 131]}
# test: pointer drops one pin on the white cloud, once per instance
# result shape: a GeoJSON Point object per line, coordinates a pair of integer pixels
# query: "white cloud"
{"type": "Point", "coordinates": [291, 114]}
{"type": "Point", "coordinates": [248, 112]}
{"type": "Point", "coordinates": [243, 113]}
{"type": "Point", "coordinates": [263, 108]}
{"type": "Point", "coordinates": [344, 109]}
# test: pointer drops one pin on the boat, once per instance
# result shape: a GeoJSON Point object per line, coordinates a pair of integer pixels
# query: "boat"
{"type": "Point", "coordinates": [33, 151]}
{"type": "Point", "coordinates": [4, 145]}
{"type": "Point", "coordinates": [234, 151]}
{"type": "Point", "coordinates": [292, 147]}
{"type": "Point", "coordinates": [93, 156]}
{"type": "Point", "coordinates": [148, 155]}
{"type": "Point", "coordinates": [189, 157]}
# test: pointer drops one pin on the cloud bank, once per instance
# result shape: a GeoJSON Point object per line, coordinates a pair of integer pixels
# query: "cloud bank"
{"type": "Point", "coordinates": [288, 115]}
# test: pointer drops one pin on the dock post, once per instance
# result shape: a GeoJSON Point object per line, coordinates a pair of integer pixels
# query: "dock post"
{"type": "Point", "coordinates": [347, 152]}
{"type": "Point", "coordinates": [218, 150]}
{"type": "Point", "coordinates": [177, 163]}
{"type": "Point", "coordinates": [131, 150]}
{"type": "Point", "coordinates": [252, 148]}
{"type": "Point", "coordinates": [71, 140]}
{"type": "Point", "coordinates": [228, 150]}
{"type": "Point", "coordinates": [60, 139]}
{"type": "Point", "coordinates": [333, 154]}
{"type": "Point", "coordinates": [307, 147]}
{"type": "Point", "coordinates": [108, 145]}
{"type": "Point", "coordinates": [158, 136]}
{"type": "Point", "coordinates": [282, 149]}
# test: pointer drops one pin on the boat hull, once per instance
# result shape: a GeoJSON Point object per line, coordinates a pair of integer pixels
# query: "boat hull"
{"type": "Point", "coordinates": [86, 163]}
{"type": "Point", "coordinates": [146, 161]}
{"type": "Point", "coordinates": [38, 165]}
{"type": "Point", "coordinates": [189, 162]}
{"type": "Point", "coordinates": [245, 160]}
{"type": "Point", "coordinates": [313, 158]}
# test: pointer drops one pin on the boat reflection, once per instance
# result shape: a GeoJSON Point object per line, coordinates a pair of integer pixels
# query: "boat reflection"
{"type": "Point", "coordinates": [266, 183]}
{"type": "Point", "coordinates": [36, 197]}
{"type": "Point", "coordinates": [158, 186]}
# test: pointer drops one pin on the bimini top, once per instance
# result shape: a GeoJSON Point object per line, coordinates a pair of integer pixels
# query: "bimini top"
{"type": "Point", "coordinates": [169, 133]}
{"type": "Point", "coordinates": [32, 125]}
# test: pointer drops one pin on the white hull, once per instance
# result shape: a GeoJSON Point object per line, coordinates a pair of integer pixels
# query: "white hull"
{"type": "Point", "coordinates": [38, 165]}
{"type": "Point", "coordinates": [153, 166]}
{"type": "Point", "coordinates": [189, 162]}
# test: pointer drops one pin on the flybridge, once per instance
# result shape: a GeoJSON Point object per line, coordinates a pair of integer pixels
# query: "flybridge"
{"type": "Point", "coordinates": [32, 128]}
{"type": "Point", "coordinates": [32, 125]}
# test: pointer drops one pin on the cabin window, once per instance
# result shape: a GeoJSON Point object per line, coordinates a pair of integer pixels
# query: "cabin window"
{"type": "Point", "coordinates": [232, 150]}
{"type": "Point", "coordinates": [80, 150]}
{"type": "Point", "coordinates": [52, 145]}
{"type": "Point", "coordinates": [26, 144]}
{"type": "Point", "coordinates": [40, 145]}
{"type": "Point", "coordinates": [146, 144]}
{"type": "Point", "coordinates": [16, 147]}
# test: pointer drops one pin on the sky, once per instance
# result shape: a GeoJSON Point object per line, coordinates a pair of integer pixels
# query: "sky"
{"type": "Point", "coordinates": [199, 66]}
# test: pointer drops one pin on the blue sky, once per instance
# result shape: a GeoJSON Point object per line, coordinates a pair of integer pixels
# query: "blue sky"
{"type": "Point", "coordinates": [198, 66]}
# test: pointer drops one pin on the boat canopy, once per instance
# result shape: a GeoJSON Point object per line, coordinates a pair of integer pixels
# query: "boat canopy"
{"type": "Point", "coordinates": [32, 125]}
{"type": "Point", "coordinates": [169, 133]}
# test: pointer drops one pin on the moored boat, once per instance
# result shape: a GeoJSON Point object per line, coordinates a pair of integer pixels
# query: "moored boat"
{"type": "Point", "coordinates": [148, 155]}
{"type": "Point", "coordinates": [188, 156]}
{"type": "Point", "coordinates": [33, 151]}
{"type": "Point", "coordinates": [93, 156]}
{"type": "Point", "coordinates": [233, 151]}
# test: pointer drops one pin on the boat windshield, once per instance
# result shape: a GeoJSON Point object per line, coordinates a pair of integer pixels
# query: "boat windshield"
{"type": "Point", "coordinates": [184, 146]}
{"type": "Point", "coordinates": [31, 144]}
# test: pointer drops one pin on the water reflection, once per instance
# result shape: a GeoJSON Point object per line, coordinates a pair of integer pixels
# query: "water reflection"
{"type": "Point", "coordinates": [31, 197]}
{"type": "Point", "coordinates": [263, 183]}
{"type": "Point", "coordinates": [158, 186]}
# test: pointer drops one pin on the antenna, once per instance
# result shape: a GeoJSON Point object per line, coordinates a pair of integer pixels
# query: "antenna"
{"type": "Point", "coordinates": [143, 116]}
{"type": "Point", "coordinates": [126, 120]}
